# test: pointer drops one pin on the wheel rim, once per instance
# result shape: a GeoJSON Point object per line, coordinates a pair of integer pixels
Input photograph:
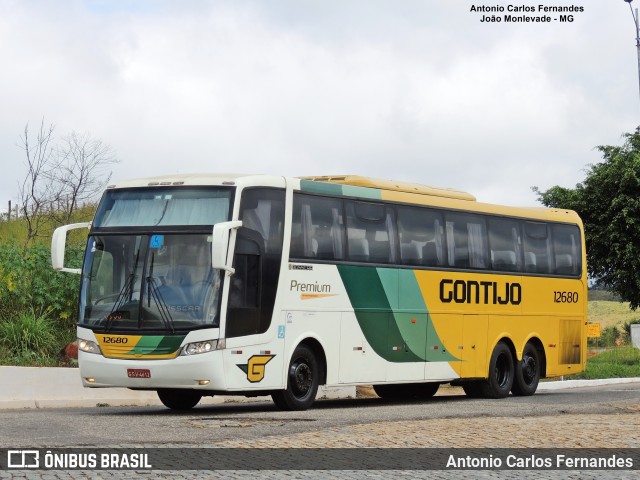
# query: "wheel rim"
{"type": "Point", "coordinates": [502, 371]}
{"type": "Point", "coordinates": [529, 368]}
{"type": "Point", "coordinates": [300, 378]}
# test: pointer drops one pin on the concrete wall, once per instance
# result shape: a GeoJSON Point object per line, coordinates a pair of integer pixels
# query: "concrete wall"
{"type": "Point", "coordinates": [635, 335]}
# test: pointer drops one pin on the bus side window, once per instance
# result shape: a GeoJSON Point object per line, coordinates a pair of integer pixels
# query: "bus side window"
{"type": "Point", "coordinates": [257, 258]}
{"type": "Point", "coordinates": [466, 241]}
{"type": "Point", "coordinates": [420, 233]}
{"type": "Point", "coordinates": [244, 286]}
{"type": "Point", "coordinates": [567, 249]}
{"type": "Point", "coordinates": [371, 232]}
{"type": "Point", "coordinates": [317, 230]}
{"type": "Point", "coordinates": [537, 248]}
{"type": "Point", "coordinates": [505, 244]}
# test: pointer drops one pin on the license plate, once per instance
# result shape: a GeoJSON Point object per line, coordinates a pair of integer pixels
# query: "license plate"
{"type": "Point", "coordinates": [138, 373]}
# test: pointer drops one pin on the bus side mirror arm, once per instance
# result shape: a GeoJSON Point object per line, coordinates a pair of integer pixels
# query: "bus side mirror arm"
{"type": "Point", "coordinates": [220, 246]}
{"type": "Point", "coordinates": [58, 243]}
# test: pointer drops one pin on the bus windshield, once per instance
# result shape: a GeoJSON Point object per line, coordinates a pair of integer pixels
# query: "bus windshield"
{"type": "Point", "coordinates": [148, 260]}
{"type": "Point", "coordinates": [157, 282]}
{"type": "Point", "coordinates": [163, 207]}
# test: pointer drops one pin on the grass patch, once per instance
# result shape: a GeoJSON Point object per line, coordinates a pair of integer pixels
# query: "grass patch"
{"type": "Point", "coordinates": [28, 333]}
{"type": "Point", "coordinates": [610, 313]}
{"type": "Point", "coordinates": [619, 362]}
{"type": "Point", "coordinates": [32, 340]}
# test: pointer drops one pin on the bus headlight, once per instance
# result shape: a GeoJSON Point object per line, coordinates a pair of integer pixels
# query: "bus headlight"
{"type": "Point", "coordinates": [88, 346]}
{"type": "Point", "coordinates": [202, 347]}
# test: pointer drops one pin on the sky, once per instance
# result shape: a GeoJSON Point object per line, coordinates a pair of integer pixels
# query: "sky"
{"type": "Point", "coordinates": [410, 90]}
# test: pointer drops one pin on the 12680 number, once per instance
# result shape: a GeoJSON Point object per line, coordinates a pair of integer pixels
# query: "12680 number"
{"type": "Point", "coordinates": [565, 297]}
{"type": "Point", "coordinates": [115, 340]}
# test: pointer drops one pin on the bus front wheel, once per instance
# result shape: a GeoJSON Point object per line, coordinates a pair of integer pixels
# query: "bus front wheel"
{"type": "Point", "coordinates": [527, 373]}
{"type": "Point", "coordinates": [176, 399]}
{"type": "Point", "coordinates": [501, 370]}
{"type": "Point", "coordinates": [303, 378]}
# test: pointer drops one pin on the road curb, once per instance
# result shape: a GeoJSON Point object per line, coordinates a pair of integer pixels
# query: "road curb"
{"type": "Point", "coordinates": [584, 383]}
{"type": "Point", "coordinates": [51, 387]}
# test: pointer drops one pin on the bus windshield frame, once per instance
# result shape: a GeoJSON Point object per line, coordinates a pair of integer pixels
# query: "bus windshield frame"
{"type": "Point", "coordinates": [147, 265]}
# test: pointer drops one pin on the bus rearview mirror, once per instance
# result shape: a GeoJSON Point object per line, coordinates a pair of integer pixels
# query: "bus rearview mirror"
{"type": "Point", "coordinates": [220, 245]}
{"type": "Point", "coordinates": [58, 243]}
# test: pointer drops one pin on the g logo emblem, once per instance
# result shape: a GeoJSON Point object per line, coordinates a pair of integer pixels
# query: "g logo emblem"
{"type": "Point", "coordinates": [255, 368]}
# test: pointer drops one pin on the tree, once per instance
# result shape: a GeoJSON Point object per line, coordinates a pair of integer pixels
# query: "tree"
{"type": "Point", "coordinates": [82, 170]}
{"type": "Point", "coordinates": [60, 176]}
{"type": "Point", "coordinates": [37, 189]}
{"type": "Point", "coordinates": [608, 201]}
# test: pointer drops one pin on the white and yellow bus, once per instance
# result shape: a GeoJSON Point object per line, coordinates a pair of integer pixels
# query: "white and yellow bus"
{"type": "Point", "coordinates": [197, 285]}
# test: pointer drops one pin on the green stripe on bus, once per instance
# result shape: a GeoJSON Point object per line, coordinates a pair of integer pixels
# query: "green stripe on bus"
{"type": "Point", "coordinates": [157, 345]}
{"type": "Point", "coordinates": [338, 189]}
{"type": "Point", "coordinates": [374, 313]}
{"type": "Point", "coordinates": [364, 288]}
{"type": "Point", "coordinates": [321, 187]}
{"type": "Point", "coordinates": [392, 314]}
{"type": "Point", "coordinates": [362, 192]}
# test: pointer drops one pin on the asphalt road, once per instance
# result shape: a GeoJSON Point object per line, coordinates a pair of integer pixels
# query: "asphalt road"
{"type": "Point", "coordinates": [592, 416]}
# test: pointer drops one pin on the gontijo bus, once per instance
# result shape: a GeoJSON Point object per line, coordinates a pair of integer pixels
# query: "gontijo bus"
{"type": "Point", "coordinates": [241, 284]}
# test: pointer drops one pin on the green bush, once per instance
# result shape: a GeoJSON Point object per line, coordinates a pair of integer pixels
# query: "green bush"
{"type": "Point", "coordinates": [610, 336]}
{"type": "Point", "coordinates": [34, 299]}
{"type": "Point", "coordinates": [28, 283]}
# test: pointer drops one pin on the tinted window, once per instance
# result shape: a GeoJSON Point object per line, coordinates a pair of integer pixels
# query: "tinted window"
{"type": "Point", "coordinates": [505, 244]}
{"type": "Point", "coordinates": [163, 207]}
{"type": "Point", "coordinates": [567, 249]}
{"type": "Point", "coordinates": [420, 231]}
{"type": "Point", "coordinates": [262, 210]}
{"type": "Point", "coordinates": [537, 248]}
{"type": "Point", "coordinates": [257, 259]}
{"type": "Point", "coordinates": [371, 235]}
{"type": "Point", "coordinates": [317, 229]}
{"type": "Point", "coordinates": [466, 241]}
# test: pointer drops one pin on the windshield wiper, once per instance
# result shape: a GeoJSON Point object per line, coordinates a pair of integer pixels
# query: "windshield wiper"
{"type": "Point", "coordinates": [126, 291]}
{"type": "Point", "coordinates": [154, 292]}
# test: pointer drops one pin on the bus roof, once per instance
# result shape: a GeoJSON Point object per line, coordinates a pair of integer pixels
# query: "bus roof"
{"type": "Point", "coordinates": [414, 193]}
{"type": "Point", "coordinates": [390, 190]}
{"type": "Point", "coordinates": [393, 185]}
{"type": "Point", "coordinates": [178, 179]}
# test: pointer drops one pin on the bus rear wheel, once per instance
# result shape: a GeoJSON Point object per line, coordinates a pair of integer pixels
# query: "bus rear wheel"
{"type": "Point", "coordinates": [473, 389]}
{"type": "Point", "coordinates": [176, 399]}
{"type": "Point", "coordinates": [527, 374]}
{"type": "Point", "coordinates": [500, 380]}
{"type": "Point", "coordinates": [302, 381]}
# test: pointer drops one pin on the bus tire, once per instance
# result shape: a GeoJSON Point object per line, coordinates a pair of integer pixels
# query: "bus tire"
{"type": "Point", "coordinates": [500, 380]}
{"type": "Point", "coordinates": [177, 399]}
{"type": "Point", "coordinates": [303, 378]}
{"type": "Point", "coordinates": [527, 372]}
{"type": "Point", "coordinates": [473, 389]}
{"type": "Point", "coordinates": [426, 390]}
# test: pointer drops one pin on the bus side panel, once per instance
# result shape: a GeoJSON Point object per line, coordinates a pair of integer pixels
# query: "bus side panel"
{"type": "Point", "coordinates": [359, 362]}
{"type": "Point", "coordinates": [555, 308]}
{"type": "Point", "coordinates": [474, 346]}
{"type": "Point", "coordinates": [254, 367]}
{"type": "Point", "coordinates": [317, 326]}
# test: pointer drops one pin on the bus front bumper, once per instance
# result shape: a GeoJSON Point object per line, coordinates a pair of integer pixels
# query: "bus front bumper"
{"type": "Point", "coordinates": [203, 371]}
